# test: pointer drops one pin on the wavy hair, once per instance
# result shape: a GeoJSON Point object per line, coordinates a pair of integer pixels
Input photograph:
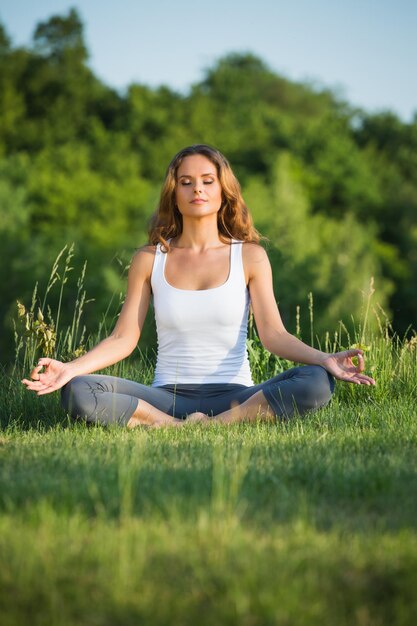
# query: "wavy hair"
{"type": "Point", "coordinates": [233, 218]}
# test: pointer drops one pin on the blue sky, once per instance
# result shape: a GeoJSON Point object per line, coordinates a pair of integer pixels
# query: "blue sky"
{"type": "Point", "coordinates": [364, 49]}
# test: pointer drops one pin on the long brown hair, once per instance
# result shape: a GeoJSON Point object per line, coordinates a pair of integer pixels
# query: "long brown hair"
{"type": "Point", "coordinates": [233, 218]}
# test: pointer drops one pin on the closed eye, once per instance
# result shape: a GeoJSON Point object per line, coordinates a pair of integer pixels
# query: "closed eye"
{"type": "Point", "coordinates": [186, 183]}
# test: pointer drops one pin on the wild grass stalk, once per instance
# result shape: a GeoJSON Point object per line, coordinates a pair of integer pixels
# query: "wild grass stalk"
{"type": "Point", "coordinates": [37, 337]}
{"type": "Point", "coordinates": [311, 316]}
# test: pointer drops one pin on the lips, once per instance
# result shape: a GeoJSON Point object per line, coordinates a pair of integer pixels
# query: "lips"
{"type": "Point", "coordinates": [198, 201]}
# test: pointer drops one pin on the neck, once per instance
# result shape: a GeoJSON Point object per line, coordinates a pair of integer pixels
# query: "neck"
{"type": "Point", "coordinates": [199, 234]}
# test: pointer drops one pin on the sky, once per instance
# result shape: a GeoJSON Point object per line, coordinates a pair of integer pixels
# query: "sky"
{"type": "Point", "coordinates": [365, 50]}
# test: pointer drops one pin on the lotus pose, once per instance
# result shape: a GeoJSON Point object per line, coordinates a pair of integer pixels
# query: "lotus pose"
{"type": "Point", "coordinates": [203, 268]}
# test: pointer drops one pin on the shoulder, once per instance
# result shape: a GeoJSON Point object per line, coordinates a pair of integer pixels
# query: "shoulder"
{"type": "Point", "coordinates": [142, 260]}
{"type": "Point", "coordinates": [253, 254]}
{"type": "Point", "coordinates": [255, 260]}
{"type": "Point", "coordinates": [145, 251]}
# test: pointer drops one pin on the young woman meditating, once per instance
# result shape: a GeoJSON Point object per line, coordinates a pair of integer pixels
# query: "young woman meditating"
{"type": "Point", "coordinates": [203, 268]}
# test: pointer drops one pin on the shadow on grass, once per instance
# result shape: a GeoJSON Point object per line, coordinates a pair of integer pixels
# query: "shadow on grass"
{"type": "Point", "coordinates": [103, 472]}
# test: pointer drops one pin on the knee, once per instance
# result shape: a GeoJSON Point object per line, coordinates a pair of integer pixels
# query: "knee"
{"type": "Point", "coordinates": [74, 397]}
{"type": "Point", "coordinates": [320, 386]}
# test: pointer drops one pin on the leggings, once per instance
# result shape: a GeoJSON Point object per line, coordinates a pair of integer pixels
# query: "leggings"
{"type": "Point", "coordinates": [111, 400]}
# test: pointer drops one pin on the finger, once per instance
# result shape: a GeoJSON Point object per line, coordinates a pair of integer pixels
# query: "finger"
{"type": "Point", "coordinates": [361, 363]}
{"type": "Point", "coordinates": [44, 392]}
{"type": "Point", "coordinates": [352, 378]}
{"type": "Point", "coordinates": [34, 374]}
{"type": "Point", "coordinates": [365, 380]}
{"type": "Point", "coordinates": [40, 383]}
{"type": "Point", "coordinates": [44, 361]}
{"type": "Point", "coordinates": [36, 388]}
{"type": "Point", "coordinates": [33, 384]}
{"type": "Point", "coordinates": [49, 389]}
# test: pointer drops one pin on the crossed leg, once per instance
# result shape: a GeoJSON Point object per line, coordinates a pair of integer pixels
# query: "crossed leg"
{"type": "Point", "coordinates": [147, 415]}
{"type": "Point", "coordinates": [107, 399]}
{"type": "Point", "coordinates": [295, 391]}
{"type": "Point", "coordinates": [255, 407]}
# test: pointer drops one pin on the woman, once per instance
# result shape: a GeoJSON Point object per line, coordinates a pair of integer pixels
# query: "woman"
{"type": "Point", "coordinates": [203, 267]}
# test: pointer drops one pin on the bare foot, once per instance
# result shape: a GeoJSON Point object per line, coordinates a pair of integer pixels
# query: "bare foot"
{"type": "Point", "coordinates": [148, 415]}
{"type": "Point", "coordinates": [137, 421]}
{"type": "Point", "coordinates": [197, 418]}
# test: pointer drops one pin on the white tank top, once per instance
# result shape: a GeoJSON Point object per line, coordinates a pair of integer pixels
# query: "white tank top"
{"type": "Point", "coordinates": [201, 333]}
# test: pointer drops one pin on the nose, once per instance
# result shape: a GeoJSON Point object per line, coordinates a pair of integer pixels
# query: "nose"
{"type": "Point", "coordinates": [197, 187]}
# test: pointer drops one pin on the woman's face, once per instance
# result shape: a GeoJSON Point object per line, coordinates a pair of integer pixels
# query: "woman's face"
{"type": "Point", "coordinates": [198, 190]}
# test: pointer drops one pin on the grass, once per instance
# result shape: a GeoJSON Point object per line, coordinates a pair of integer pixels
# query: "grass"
{"type": "Point", "coordinates": [312, 521]}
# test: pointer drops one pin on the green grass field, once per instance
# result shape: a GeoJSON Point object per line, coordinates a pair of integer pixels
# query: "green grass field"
{"type": "Point", "coordinates": [308, 522]}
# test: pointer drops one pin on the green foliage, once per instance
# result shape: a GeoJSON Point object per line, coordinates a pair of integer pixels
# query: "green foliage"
{"type": "Point", "coordinates": [310, 252]}
{"type": "Point", "coordinates": [332, 187]}
{"type": "Point", "coordinates": [340, 176]}
{"type": "Point", "coordinates": [5, 42]}
{"type": "Point", "coordinates": [61, 38]}
{"type": "Point", "coordinates": [101, 201]}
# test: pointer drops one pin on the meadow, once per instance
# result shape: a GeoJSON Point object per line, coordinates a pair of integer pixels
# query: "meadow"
{"type": "Point", "coordinates": [309, 521]}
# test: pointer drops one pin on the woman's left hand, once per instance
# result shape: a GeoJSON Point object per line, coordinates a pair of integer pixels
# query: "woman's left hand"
{"type": "Point", "coordinates": [341, 366]}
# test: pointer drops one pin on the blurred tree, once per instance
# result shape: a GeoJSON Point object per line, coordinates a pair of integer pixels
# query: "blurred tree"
{"type": "Point", "coordinates": [157, 124]}
{"type": "Point", "coordinates": [391, 146]}
{"type": "Point", "coordinates": [106, 207]}
{"type": "Point", "coordinates": [12, 107]}
{"type": "Point", "coordinates": [5, 41]}
{"type": "Point", "coordinates": [61, 39]}
{"type": "Point", "coordinates": [60, 93]}
{"type": "Point", "coordinates": [339, 176]}
{"type": "Point", "coordinates": [334, 188]}
{"type": "Point", "coordinates": [333, 259]}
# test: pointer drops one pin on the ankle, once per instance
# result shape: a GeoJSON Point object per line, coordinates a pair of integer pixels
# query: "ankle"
{"type": "Point", "coordinates": [134, 421]}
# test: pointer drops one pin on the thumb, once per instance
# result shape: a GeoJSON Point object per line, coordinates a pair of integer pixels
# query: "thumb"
{"type": "Point", "coordinates": [360, 363]}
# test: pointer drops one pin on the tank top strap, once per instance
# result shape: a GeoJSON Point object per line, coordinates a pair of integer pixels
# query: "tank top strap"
{"type": "Point", "coordinates": [158, 265]}
{"type": "Point", "coordinates": [237, 274]}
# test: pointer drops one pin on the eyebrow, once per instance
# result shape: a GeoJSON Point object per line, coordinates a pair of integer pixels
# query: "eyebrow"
{"type": "Point", "coordinates": [189, 176]}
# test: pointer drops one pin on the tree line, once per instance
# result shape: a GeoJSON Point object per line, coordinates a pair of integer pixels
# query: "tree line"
{"type": "Point", "coordinates": [331, 186]}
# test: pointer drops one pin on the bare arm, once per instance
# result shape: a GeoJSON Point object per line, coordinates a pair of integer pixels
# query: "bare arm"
{"type": "Point", "coordinates": [120, 343]}
{"type": "Point", "coordinates": [125, 335]}
{"type": "Point", "coordinates": [276, 338]}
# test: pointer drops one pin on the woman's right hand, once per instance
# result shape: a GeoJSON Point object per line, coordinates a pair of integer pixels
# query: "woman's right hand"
{"type": "Point", "coordinates": [55, 376]}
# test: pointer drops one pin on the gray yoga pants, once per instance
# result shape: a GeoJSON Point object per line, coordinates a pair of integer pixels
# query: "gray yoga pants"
{"type": "Point", "coordinates": [111, 400]}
